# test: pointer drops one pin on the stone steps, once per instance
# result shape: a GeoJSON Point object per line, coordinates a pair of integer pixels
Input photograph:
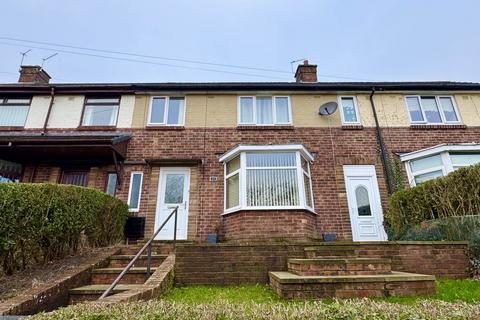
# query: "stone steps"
{"type": "Point", "coordinates": [135, 275]}
{"type": "Point", "coordinates": [93, 292]}
{"type": "Point", "coordinates": [120, 261]}
{"type": "Point", "coordinates": [339, 266]}
{"type": "Point", "coordinates": [292, 286]}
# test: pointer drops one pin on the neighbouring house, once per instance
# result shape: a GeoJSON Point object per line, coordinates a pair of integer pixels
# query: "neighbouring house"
{"type": "Point", "coordinates": [253, 161]}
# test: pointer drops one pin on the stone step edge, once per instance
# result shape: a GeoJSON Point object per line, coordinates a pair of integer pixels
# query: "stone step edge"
{"type": "Point", "coordinates": [340, 261]}
{"type": "Point", "coordinates": [395, 276]}
{"type": "Point", "coordinates": [118, 270]}
{"type": "Point", "coordinates": [100, 288]}
{"type": "Point", "coordinates": [131, 256]}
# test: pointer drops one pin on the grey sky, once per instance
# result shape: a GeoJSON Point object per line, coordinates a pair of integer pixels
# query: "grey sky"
{"type": "Point", "coordinates": [370, 40]}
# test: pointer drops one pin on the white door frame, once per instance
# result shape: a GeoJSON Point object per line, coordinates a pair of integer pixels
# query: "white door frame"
{"type": "Point", "coordinates": [364, 171]}
{"type": "Point", "coordinates": [161, 195]}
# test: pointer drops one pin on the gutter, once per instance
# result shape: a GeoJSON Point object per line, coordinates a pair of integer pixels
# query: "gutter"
{"type": "Point", "coordinates": [383, 153]}
{"type": "Point", "coordinates": [52, 95]}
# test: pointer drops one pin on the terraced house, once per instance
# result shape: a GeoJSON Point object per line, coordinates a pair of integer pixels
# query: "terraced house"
{"type": "Point", "coordinates": [250, 161]}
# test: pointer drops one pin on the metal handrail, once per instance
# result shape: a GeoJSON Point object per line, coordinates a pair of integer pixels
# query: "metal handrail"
{"type": "Point", "coordinates": [148, 245]}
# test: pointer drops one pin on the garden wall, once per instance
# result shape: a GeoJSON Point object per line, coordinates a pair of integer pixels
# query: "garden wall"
{"type": "Point", "coordinates": [250, 263]}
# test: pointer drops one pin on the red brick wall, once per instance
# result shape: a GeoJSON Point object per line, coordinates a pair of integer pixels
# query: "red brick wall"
{"type": "Point", "coordinates": [267, 224]}
{"type": "Point", "coordinates": [332, 149]}
{"type": "Point", "coordinates": [250, 263]}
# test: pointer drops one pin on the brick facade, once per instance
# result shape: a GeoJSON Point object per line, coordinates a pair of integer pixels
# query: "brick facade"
{"type": "Point", "coordinates": [331, 147]}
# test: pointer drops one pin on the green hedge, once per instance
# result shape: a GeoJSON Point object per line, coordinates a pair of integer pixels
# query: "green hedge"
{"type": "Point", "coordinates": [40, 222]}
{"type": "Point", "coordinates": [457, 194]}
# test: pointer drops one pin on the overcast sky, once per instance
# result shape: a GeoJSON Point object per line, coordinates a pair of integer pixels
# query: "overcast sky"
{"type": "Point", "coordinates": [359, 39]}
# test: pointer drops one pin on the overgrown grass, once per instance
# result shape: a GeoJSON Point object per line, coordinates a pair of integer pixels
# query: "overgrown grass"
{"type": "Point", "coordinates": [456, 299]}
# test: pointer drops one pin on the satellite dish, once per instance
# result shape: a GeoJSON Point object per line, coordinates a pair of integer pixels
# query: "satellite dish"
{"type": "Point", "coordinates": [328, 108]}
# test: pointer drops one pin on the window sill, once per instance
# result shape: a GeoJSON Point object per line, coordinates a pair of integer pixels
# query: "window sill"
{"type": "Point", "coordinates": [352, 127]}
{"type": "Point", "coordinates": [437, 126]}
{"type": "Point", "coordinates": [163, 127]}
{"type": "Point", "coordinates": [272, 127]}
{"type": "Point", "coordinates": [11, 128]}
{"type": "Point", "coordinates": [231, 211]}
{"type": "Point", "coordinates": [102, 128]}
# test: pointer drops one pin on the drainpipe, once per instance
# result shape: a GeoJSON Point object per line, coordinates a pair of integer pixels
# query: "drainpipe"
{"type": "Point", "coordinates": [383, 153]}
{"type": "Point", "coordinates": [52, 95]}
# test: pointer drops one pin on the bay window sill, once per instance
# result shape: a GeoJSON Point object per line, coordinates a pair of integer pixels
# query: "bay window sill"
{"type": "Point", "coordinates": [240, 209]}
{"type": "Point", "coordinates": [265, 127]}
{"type": "Point", "coordinates": [164, 127]}
{"type": "Point", "coordinates": [95, 128]}
{"type": "Point", "coordinates": [11, 128]}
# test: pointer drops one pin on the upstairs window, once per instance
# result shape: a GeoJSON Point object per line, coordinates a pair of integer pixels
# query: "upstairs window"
{"type": "Point", "coordinates": [273, 178]}
{"type": "Point", "coordinates": [101, 111]}
{"type": "Point", "coordinates": [14, 111]}
{"type": "Point", "coordinates": [349, 110]}
{"type": "Point", "coordinates": [432, 110]}
{"type": "Point", "coordinates": [167, 111]}
{"type": "Point", "coordinates": [264, 110]}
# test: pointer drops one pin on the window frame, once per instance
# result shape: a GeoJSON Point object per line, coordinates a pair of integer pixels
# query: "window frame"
{"type": "Point", "coordinates": [444, 151]}
{"type": "Point", "coordinates": [165, 112]}
{"type": "Point", "coordinates": [4, 102]}
{"type": "Point", "coordinates": [86, 104]}
{"type": "Point", "coordinates": [439, 106]}
{"type": "Point", "coordinates": [355, 104]}
{"type": "Point", "coordinates": [107, 182]}
{"type": "Point", "coordinates": [137, 209]}
{"type": "Point", "coordinates": [274, 111]}
{"type": "Point", "coordinates": [242, 172]}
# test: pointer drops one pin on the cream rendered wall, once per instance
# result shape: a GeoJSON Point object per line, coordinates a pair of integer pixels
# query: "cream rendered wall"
{"type": "Point", "coordinates": [66, 112]}
{"type": "Point", "coordinates": [125, 112]}
{"type": "Point", "coordinates": [220, 110]}
{"type": "Point", "coordinates": [37, 112]}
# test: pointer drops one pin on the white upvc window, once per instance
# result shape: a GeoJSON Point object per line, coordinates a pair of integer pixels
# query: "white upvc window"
{"type": "Point", "coordinates": [135, 191]}
{"type": "Point", "coordinates": [349, 110]}
{"type": "Point", "coordinates": [439, 161]}
{"type": "Point", "coordinates": [14, 111]}
{"type": "Point", "coordinates": [101, 111]}
{"type": "Point", "coordinates": [264, 110]}
{"type": "Point", "coordinates": [427, 109]}
{"type": "Point", "coordinates": [267, 177]}
{"type": "Point", "coordinates": [166, 111]}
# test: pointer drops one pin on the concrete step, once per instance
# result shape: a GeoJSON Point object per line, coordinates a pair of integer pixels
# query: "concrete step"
{"type": "Point", "coordinates": [290, 286]}
{"type": "Point", "coordinates": [119, 261]}
{"type": "Point", "coordinates": [157, 248]}
{"type": "Point", "coordinates": [93, 292]}
{"type": "Point", "coordinates": [136, 275]}
{"type": "Point", "coordinates": [339, 266]}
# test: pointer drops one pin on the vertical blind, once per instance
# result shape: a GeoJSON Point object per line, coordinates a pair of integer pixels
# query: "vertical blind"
{"type": "Point", "coordinates": [272, 179]}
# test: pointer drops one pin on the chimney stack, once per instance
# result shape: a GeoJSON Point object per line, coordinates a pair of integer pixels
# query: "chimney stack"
{"type": "Point", "coordinates": [33, 74]}
{"type": "Point", "coordinates": [306, 72]}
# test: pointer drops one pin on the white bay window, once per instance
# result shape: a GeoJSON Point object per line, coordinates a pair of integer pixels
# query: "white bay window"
{"type": "Point", "coordinates": [438, 161]}
{"type": "Point", "coordinates": [267, 177]}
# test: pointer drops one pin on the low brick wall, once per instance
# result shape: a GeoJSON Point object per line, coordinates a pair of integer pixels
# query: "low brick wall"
{"type": "Point", "coordinates": [259, 225]}
{"type": "Point", "coordinates": [158, 283]}
{"type": "Point", "coordinates": [250, 263]}
{"type": "Point", "coordinates": [54, 293]}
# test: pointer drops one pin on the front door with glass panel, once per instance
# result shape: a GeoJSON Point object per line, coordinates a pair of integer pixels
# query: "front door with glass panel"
{"type": "Point", "coordinates": [173, 191]}
{"type": "Point", "coordinates": [364, 203]}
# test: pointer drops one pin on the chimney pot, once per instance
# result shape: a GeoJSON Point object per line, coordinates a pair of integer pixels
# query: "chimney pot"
{"type": "Point", "coordinates": [306, 72]}
{"type": "Point", "coordinates": [33, 74]}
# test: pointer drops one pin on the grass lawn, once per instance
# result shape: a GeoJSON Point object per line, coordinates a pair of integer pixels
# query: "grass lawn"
{"type": "Point", "coordinates": [455, 300]}
{"type": "Point", "coordinates": [447, 290]}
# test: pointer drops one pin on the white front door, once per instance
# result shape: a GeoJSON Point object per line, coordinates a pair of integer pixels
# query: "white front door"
{"type": "Point", "coordinates": [364, 204]}
{"type": "Point", "coordinates": [173, 190]}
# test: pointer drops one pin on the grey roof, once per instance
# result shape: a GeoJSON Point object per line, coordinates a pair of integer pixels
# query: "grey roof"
{"type": "Point", "coordinates": [242, 86]}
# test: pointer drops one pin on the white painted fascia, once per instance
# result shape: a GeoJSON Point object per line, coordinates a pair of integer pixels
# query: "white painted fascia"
{"type": "Point", "coordinates": [439, 149]}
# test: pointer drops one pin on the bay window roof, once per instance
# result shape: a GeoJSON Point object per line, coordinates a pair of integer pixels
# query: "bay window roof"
{"type": "Point", "coordinates": [466, 147]}
{"type": "Point", "coordinates": [279, 147]}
